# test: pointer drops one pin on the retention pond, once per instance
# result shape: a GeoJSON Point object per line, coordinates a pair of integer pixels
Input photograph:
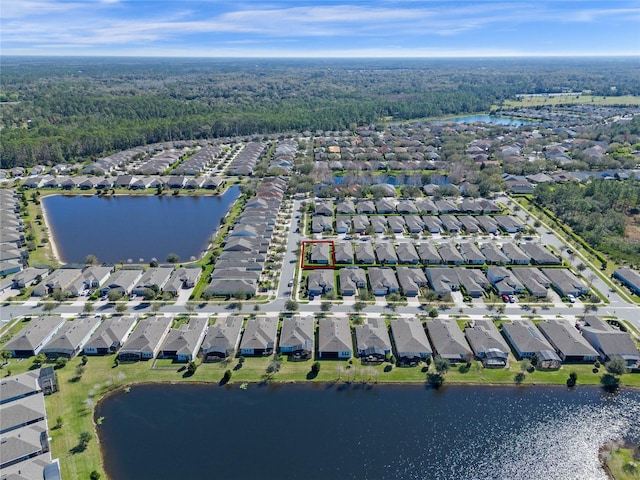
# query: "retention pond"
{"type": "Point", "coordinates": [362, 432]}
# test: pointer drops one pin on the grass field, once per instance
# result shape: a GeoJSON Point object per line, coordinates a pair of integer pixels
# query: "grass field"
{"type": "Point", "coordinates": [621, 464]}
{"type": "Point", "coordinates": [525, 102]}
{"type": "Point", "coordinates": [75, 401]}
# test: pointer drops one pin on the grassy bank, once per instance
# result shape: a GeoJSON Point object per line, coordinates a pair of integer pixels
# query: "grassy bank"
{"type": "Point", "coordinates": [620, 462]}
{"type": "Point", "coordinates": [75, 401]}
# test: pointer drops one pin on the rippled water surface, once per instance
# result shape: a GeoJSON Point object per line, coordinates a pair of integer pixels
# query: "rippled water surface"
{"type": "Point", "coordinates": [121, 228]}
{"type": "Point", "coordinates": [380, 432]}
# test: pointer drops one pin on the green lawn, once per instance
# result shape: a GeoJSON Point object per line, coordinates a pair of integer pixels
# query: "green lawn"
{"type": "Point", "coordinates": [621, 464]}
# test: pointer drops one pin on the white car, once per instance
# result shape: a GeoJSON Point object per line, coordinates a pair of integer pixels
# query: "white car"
{"type": "Point", "coordinates": [571, 298]}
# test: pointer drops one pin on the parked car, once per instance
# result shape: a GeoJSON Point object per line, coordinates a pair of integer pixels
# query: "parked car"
{"type": "Point", "coordinates": [512, 299]}
{"type": "Point", "coordinates": [505, 298]}
{"type": "Point", "coordinates": [571, 298]}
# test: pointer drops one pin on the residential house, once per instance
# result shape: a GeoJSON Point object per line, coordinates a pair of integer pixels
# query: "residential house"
{"type": "Point", "coordinates": [383, 281]}
{"type": "Point", "coordinates": [343, 224]}
{"type": "Point", "coordinates": [155, 278]}
{"type": "Point", "coordinates": [567, 341]}
{"type": "Point", "coordinates": [222, 338]}
{"type": "Point", "coordinates": [448, 340]}
{"type": "Point", "coordinates": [472, 281]}
{"type": "Point", "coordinates": [407, 253]}
{"type": "Point", "coordinates": [334, 338]}
{"type": "Point", "coordinates": [527, 341]}
{"type": "Point", "coordinates": [410, 340]}
{"type": "Point", "coordinates": [565, 282]}
{"type": "Point", "coordinates": [372, 339]}
{"type": "Point", "coordinates": [534, 281]}
{"type": "Point", "coordinates": [320, 224]}
{"type": "Point", "coordinates": [396, 224]}
{"type": "Point", "coordinates": [32, 338]}
{"type": "Point", "coordinates": [406, 207]}
{"type": "Point", "coordinates": [504, 281]}
{"type": "Point", "coordinates": [232, 286]}
{"type": "Point", "coordinates": [182, 278]}
{"type": "Point", "coordinates": [297, 336]}
{"type": "Point", "coordinates": [469, 224]}
{"type": "Point", "coordinates": [364, 253]}
{"type": "Point", "coordinates": [378, 223]}
{"type": "Point", "coordinates": [343, 252]}
{"type": "Point", "coordinates": [610, 342]}
{"type": "Point", "coordinates": [352, 279]}
{"type": "Point", "coordinates": [414, 224]}
{"type": "Point", "coordinates": [346, 207]}
{"type": "Point", "coordinates": [449, 254]}
{"type": "Point", "coordinates": [360, 223]}
{"type": "Point", "coordinates": [91, 277]}
{"type": "Point", "coordinates": [433, 225]}
{"type": "Point", "coordinates": [630, 278]}
{"type": "Point", "coordinates": [539, 255]}
{"type": "Point", "coordinates": [514, 254]}
{"type": "Point", "coordinates": [324, 208]}
{"type": "Point", "coordinates": [61, 279]}
{"type": "Point", "coordinates": [259, 337]}
{"type": "Point", "coordinates": [110, 335]}
{"type": "Point", "coordinates": [428, 254]}
{"type": "Point", "coordinates": [365, 207]}
{"type": "Point", "coordinates": [443, 280]}
{"type": "Point", "coordinates": [451, 224]}
{"type": "Point", "coordinates": [488, 224]}
{"type": "Point", "coordinates": [385, 206]}
{"type": "Point", "coordinates": [509, 223]}
{"type": "Point", "coordinates": [320, 254]}
{"type": "Point", "coordinates": [426, 206]}
{"type": "Point", "coordinates": [471, 253]}
{"type": "Point", "coordinates": [487, 343]}
{"type": "Point", "coordinates": [145, 341]}
{"type": "Point", "coordinates": [321, 282]}
{"type": "Point", "coordinates": [123, 281]}
{"type": "Point", "coordinates": [446, 206]}
{"type": "Point", "coordinates": [493, 254]}
{"type": "Point", "coordinates": [71, 338]}
{"type": "Point", "coordinates": [386, 253]}
{"type": "Point", "coordinates": [411, 280]}
{"type": "Point", "coordinates": [183, 343]}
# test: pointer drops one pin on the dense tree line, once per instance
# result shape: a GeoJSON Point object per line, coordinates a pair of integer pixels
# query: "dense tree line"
{"type": "Point", "coordinates": [59, 110]}
{"type": "Point", "coordinates": [599, 211]}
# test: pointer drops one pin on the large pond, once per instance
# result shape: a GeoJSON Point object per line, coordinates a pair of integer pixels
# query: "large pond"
{"type": "Point", "coordinates": [492, 119]}
{"type": "Point", "coordinates": [134, 228]}
{"type": "Point", "coordinates": [382, 432]}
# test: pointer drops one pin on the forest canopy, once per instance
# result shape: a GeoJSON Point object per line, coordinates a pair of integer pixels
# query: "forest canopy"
{"type": "Point", "coordinates": [65, 110]}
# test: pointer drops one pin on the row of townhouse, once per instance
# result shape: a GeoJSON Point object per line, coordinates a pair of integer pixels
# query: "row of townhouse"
{"type": "Point", "coordinates": [382, 281]}
{"type": "Point", "coordinates": [429, 253]}
{"type": "Point", "coordinates": [239, 267]}
{"type": "Point", "coordinates": [132, 182]}
{"type": "Point", "coordinates": [415, 224]}
{"type": "Point", "coordinates": [77, 281]}
{"type": "Point", "coordinates": [13, 254]}
{"type": "Point", "coordinates": [247, 159]}
{"type": "Point", "coordinates": [429, 206]}
{"type": "Point", "coordinates": [24, 429]}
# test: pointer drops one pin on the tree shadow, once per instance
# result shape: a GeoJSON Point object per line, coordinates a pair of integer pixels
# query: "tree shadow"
{"type": "Point", "coordinates": [311, 375]}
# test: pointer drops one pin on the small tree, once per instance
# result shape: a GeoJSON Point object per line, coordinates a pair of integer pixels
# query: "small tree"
{"type": "Point", "coordinates": [61, 362]}
{"type": "Point", "coordinates": [39, 359]}
{"type": "Point", "coordinates": [88, 307]}
{"type": "Point", "coordinates": [192, 367]}
{"type": "Point", "coordinates": [84, 359]}
{"type": "Point", "coordinates": [59, 423]}
{"type": "Point", "coordinates": [291, 305]}
{"type": "Point", "coordinates": [173, 258]}
{"type": "Point", "coordinates": [315, 368]}
{"type": "Point", "coordinates": [83, 440]}
{"type": "Point", "coordinates": [572, 380]}
{"type": "Point", "coordinates": [227, 376]}
{"type": "Point", "coordinates": [616, 366]}
{"type": "Point", "coordinates": [114, 295]}
{"type": "Point", "coordinates": [121, 307]}
{"type": "Point", "coordinates": [325, 306]}
{"type": "Point", "coordinates": [442, 365]}
{"type": "Point", "coordinates": [80, 370]}
{"type": "Point", "coordinates": [359, 306]}
{"type": "Point", "coordinates": [91, 260]}
{"type": "Point", "coordinates": [433, 312]}
{"type": "Point", "coordinates": [95, 475]}
{"type": "Point", "coordinates": [5, 355]}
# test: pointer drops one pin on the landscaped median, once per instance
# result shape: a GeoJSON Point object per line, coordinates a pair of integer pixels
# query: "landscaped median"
{"type": "Point", "coordinates": [77, 396]}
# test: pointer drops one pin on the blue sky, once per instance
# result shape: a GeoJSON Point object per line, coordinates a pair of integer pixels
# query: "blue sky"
{"type": "Point", "coordinates": [321, 28]}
